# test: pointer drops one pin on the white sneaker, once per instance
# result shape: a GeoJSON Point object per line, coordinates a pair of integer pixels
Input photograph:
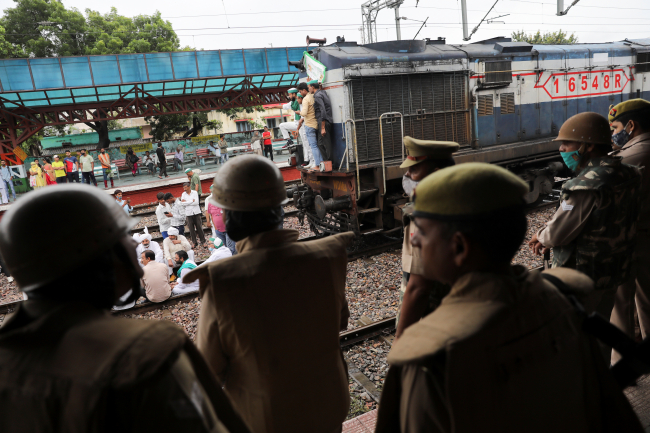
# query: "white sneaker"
{"type": "Point", "coordinates": [310, 166]}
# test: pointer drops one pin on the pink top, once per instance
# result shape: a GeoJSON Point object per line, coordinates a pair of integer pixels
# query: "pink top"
{"type": "Point", "coordinates": [217, 217]}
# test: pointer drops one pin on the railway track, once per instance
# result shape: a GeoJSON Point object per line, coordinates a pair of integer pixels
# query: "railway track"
{"type": "Point", "coordinates": [150, 306]}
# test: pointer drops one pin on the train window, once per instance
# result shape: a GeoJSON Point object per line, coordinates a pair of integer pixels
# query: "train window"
{"type": "Point", "coordinates": [507, 103]}
{"type": "Point", "coordinates": [642, 62]}
{"type": "Point", "coordinates": [498, 72]}
{"type": "Point", "coordinates": [485, 105]}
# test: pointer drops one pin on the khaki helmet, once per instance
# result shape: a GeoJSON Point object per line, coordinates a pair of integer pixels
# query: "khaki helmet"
{"type": "Point", "coordinates": [94, 213]}
{"type": "Point", "coordinates": [248, 183]}
{"type": "Point", "coordinates": [588, 127]}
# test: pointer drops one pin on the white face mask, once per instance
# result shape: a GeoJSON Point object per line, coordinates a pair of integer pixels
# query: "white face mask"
{"type": "Point", "coordinates": [409, 185]}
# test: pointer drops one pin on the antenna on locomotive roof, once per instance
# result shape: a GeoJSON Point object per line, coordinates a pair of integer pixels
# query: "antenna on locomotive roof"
{"type": "Point", "coordinates": [560, 7]}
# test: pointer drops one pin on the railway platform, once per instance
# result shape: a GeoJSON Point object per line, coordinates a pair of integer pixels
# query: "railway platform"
{"type": "Point", "coordinates": [143, 188]}
{"type": "Point", "coordinates": [362, 424]}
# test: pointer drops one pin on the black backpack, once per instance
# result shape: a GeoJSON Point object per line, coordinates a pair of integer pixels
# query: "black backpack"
{"type": "Point", "coordinates": [134, 158]}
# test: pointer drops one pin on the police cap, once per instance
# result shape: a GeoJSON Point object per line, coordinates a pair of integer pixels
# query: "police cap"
{"type": "Point", "coordinates": [468, 192]}
{"type": "Point", "coordinates": [419, 150]}
{"type": "Point", "coordinates": [627, 107]}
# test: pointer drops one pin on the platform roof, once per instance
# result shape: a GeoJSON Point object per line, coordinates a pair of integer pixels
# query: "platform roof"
{"type": "Point", "coordinates": [52, 81]}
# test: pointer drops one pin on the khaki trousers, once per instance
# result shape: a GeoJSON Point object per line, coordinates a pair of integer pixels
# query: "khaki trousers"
{"type": "Point", "coordinates": [635, 294]}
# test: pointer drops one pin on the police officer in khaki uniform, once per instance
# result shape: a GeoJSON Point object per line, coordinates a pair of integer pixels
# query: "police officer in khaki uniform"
{"type": "Point", "coordinates": [419, 296]}
{"type": "Point", "coordinates": [65, 364]}
{"type": "Point", "coordinates": [630, 121]}
{"type": "Point", "coordinates": [594, 229]}
{"type": "Point", "coordinates": [504, 352]}
{"type": "Point", "coordinates": [271, 315]}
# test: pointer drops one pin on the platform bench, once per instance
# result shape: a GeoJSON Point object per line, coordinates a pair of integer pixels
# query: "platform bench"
{"type": "Point", "coordinates": [202, 154]}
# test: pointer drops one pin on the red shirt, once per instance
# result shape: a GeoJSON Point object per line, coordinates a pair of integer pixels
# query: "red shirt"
{"type": "Point", "coordinates": [267, 138]}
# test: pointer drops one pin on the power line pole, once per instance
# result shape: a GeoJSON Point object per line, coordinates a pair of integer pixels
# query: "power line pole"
{"type": "Point", "coordinates": [463, 7]}
{"type": "Point", "coordinates": [369, 11]}
{"type": "Point", "coordinates": [560, 7]}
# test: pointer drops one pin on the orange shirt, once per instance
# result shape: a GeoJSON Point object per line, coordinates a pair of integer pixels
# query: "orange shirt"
{"type": "Point", "coordinates": [105, 160]}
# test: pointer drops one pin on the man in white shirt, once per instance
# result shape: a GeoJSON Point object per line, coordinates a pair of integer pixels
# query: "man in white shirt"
{"type": "Point", "coordinates": [178, 212]}
{"type": "Point", "coordinates": [155, 279]}
{"type": "Point", "coordinates": [176, 242]}
{"type": "Point", "coordinates": [307, 156]}
{"type": "Point", "coordinates": [145, 244]}
{"type": "Point", "coordinates": [149, 162]}
{"type": "Point", "coordinates": [214, 150]}
{"type": "Point", "coordinates": [186, 266]}
{"type": "Point", "coordinates": [291, 125]}
{"type": "Point", "coordinates": [190, 201]}
{"type": "Point", "coordinates": [163, 214]}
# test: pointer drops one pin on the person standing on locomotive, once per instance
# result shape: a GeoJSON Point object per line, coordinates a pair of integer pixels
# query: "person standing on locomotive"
{"type": "Point", "coordinates": [594, 229]}
{"type": "Point", "coordinates": [249, 309]}
{"type": "Point", "coordinates": [630, 121]}
{"type": "Point", "coordinates": [287, 127]}
{"type": "Point", "coordinates": [309, 122]}
{"type": "Point", "coordinates": [323, 113]}
{"type": "Point", "coordinates": [307, 154]}
{"type": "Point", "coordinates": [419, 296]}
{"type": "Point", "coordinates": [68, 365]}
{"type": "Point", "coordinates": [505, 351]}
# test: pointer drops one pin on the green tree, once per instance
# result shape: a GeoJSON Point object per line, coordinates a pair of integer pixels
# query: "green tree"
{"type": "Point", "coordinates": [45, 28]}
{"type": "Point", "coordinates": [549, 38]}
{"type": "Point", "coordinates": [164, 127]}
{"type": "Point", "coordinates": [7, 49]}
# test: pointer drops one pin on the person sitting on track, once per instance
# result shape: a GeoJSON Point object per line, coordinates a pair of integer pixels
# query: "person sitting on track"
{"type": "Point", "coordinates": [249, 308]}
{"type": "Point", "coordinates": [186, 265]}
{"type": "Point", "coordinates": [145, 244]}
{"type": "Point", "coordinates": [175, 242]}
{"type": "Point", "coordinates": [65, 364]}
{"type": "Point", "coordinates": [155, 281]}
{"type": "Point", "coordinates": [217, 252]}
{"type": "Point", "coordinates": [505, 351]}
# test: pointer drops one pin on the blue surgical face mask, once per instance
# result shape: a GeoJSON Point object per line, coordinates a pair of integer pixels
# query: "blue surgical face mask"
{"type": "Point", "coordinates": [621, 138]}
{"type": "Point", "coordinates": [211, 249]}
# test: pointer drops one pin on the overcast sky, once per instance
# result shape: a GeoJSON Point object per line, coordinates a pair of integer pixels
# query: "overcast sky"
{"type": "Point", "coordinates": [221, 24]}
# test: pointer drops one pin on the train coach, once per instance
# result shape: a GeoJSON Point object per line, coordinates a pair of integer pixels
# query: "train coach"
{"type": "Point", "coordinates": [502, 101]}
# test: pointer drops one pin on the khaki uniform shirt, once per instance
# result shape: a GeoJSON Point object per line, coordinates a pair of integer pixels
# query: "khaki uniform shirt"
{"type": "Point", "coordinates": [502, 353]}
{"type": "Point", "coordinates": [269, 329]}
{"type": "Point", "coordinates": [307, 111]}
{"type": "Point", "coordinates": [637, 152]}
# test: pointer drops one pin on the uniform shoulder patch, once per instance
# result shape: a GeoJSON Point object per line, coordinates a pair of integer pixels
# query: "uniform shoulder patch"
{"type": "Point", "coordinates": [566, 206]}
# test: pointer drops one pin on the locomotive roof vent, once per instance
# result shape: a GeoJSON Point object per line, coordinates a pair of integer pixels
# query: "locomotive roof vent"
{"type": "Point", "coordinates": [492, 41]}
{"type": "Point", "coordinates": [405, 46]}
{"type": "Point", "coordinates": [513, 47]}
{"type": "Point", "coordinates": [439, 41]}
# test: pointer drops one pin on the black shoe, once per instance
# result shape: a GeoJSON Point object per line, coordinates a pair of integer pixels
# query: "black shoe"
{"type": "Point", "coordinates": [289, 142]}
